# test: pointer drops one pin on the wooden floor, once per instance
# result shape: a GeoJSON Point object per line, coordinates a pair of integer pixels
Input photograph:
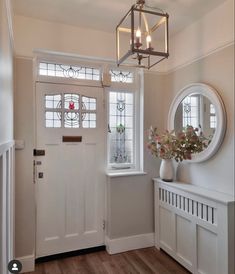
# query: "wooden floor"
{"type": "Point", "coordinates": [142, 261]}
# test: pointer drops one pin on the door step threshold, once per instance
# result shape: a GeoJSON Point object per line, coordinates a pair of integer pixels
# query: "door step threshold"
{"type": "Point", "coordinates": [70, 254]}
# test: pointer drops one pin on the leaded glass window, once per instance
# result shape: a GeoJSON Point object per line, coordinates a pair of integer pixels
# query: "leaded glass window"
{"type": "Point", "coordinates": [121, 127]}
{"type": "Point", "coordinates": [88, 103]}
{"type": "Point", "coordinates": [53, 111]}
{"type": "Point", "coordinates": [213, 119]}
{"type": "Point", "coordinates": [73, 109]}
{"type": "Point", "coordinates": [53, 119]}
{"type": "Point", "coordinates": [71, 101]}
{"type": "Point", "coordinates": [122, 76]}
{"type": "Point", "coordinates": [191, 110]}
{"type": "Point", "coordinates": [88, 112]}
{"type": "Point", "coordinates": [69, 71]}
{"type": "Point", "coordinates": [71, 119]}
{"type": "Point", "coordinates": [53, 101]}
{"type": "Point", "coordinates": [89, 120]}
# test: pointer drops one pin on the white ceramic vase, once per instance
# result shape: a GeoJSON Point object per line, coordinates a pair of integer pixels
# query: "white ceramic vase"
{"type": "Point", "coordinates": [167, 170]}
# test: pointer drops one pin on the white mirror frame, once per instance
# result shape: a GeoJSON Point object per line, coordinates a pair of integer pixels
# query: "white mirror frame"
{"type": "Point", "coordinates": [214, 97]}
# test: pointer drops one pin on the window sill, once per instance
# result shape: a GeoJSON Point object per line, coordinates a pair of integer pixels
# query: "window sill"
{"type": "Point", "coordinates": [124, 173]}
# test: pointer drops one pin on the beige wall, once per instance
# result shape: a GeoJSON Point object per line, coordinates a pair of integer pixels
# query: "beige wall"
{"type": "Point", "coordinates": [6, 135]}
{"type": "Point", "coordinates": [6, 76]}
{"type": "Point", "coordinates": [24, 130]}
{"type": "Point", "coordinates": [134, 192]}
{"type": "Point", "coordinates": [31, 34]}
{"type": "Point", "coordinates": [195, 41]}
{"type": "Point", "coordinates": [216, 70]}
{"type": "Point", "coordinates": [213, 31]}
{"type": "Point", "coordinates": [130, 199]}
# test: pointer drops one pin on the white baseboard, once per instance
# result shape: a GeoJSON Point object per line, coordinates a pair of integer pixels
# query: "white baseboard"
{"type": "Point", "coordinates": [118, 245]}
{"type": "Point", "coordinates": [28, 263]}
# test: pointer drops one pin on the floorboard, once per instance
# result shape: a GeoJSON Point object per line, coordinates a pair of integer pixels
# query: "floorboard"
{"type": "Point", "coordinates": [141, 261]}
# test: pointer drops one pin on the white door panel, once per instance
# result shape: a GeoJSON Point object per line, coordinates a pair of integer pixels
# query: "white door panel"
{"type": "Point", "coordinates": [70, 196]}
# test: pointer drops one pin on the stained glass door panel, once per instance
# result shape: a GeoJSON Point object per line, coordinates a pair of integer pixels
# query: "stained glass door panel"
{"type": "Point", "coordinates": [121, 126]}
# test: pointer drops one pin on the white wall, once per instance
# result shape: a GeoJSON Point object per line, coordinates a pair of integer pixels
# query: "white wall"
{"type": "Point", "coordinates": [6, 136]}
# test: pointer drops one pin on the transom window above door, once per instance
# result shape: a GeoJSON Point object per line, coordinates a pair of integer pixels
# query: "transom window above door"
{"type": "Point", "coordinates": [69, 71]}
{"type": "Point", "coordinates": [122, 76]}
{"type": "Point", "coordinates": [70, 110]}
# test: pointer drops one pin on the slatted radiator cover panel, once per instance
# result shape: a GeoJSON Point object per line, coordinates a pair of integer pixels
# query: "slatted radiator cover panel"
{"type": "Point", "coordinates": [192, 226]}
{"type": "Point", "coordinates": [6, 204]}
{"type": "Point", "coordinates": [203, 211]}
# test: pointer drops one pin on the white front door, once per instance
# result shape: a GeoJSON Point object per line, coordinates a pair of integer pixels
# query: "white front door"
{"type": "Point", "coordinates": [70, 177]}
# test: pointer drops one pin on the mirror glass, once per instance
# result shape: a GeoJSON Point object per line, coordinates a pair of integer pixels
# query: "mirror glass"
{"type": "Point", "coordinates": [200, 106]}
{"type": "Point", "coordinates": [198, 111]}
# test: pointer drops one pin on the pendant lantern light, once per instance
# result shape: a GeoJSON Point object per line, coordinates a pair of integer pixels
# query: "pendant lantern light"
{"type": "Point", "coordinates": [142, 36]}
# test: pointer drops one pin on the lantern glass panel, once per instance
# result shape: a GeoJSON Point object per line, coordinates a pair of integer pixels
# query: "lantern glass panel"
{"type": "Point", "coordinates": [149, 44]}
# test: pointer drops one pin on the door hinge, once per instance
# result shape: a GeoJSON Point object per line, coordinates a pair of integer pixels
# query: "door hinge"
{"type": "Point", "coordinates": [103, 224]}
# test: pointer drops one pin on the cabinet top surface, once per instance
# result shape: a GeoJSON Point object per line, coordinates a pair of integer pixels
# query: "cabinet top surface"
{"type": "Point", "coordinates": [197, 190]}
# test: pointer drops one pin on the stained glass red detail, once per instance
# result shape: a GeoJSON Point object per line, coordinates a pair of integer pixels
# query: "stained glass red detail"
{"type": "Point", "coordinates": [71, 105]}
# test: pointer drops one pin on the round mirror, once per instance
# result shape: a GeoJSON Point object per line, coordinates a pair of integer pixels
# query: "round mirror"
{"type": "Point", "coordinates": [200, 106]}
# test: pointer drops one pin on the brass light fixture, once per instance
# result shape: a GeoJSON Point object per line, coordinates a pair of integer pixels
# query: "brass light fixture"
{"type": "Point", "coordinates": [142, 36]}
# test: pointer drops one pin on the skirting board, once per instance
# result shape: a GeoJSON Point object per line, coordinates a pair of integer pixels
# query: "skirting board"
{"type": "Point", "coordinates": [28, 263]}
{"type": "Point", "coordinates": [118, 245]}
{"type": "Point", "coordinates": [113, 246]}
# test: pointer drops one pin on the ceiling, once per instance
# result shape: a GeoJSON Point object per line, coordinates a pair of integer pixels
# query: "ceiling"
{"type": "Point", "coordinates": [105, 14]}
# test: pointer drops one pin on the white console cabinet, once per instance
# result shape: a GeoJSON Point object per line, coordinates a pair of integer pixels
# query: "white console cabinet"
{"type": "Point", "coordinates": [195, 226]}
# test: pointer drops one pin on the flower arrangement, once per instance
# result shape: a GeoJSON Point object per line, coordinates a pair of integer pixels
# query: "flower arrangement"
{"type": "Point", "coordinates": [179, 146]}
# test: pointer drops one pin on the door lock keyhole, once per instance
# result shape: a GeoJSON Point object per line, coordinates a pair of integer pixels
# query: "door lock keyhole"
{"type": "Point", "coordinates": [40, 175]}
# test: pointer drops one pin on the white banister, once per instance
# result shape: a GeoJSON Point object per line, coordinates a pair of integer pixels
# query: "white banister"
{"type": "Point", "coordinates": [6, 204]}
